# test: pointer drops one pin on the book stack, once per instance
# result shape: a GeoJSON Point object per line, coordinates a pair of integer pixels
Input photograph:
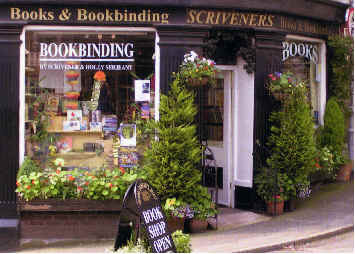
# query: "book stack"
{"type": "Point", "coordinates": [109, 124]}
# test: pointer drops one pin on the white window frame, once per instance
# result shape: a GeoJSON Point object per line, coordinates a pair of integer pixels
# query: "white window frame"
{"type": "Point", "coordinates": [97, 29]}
{"type": "Point", "coordinates": [323, 71]}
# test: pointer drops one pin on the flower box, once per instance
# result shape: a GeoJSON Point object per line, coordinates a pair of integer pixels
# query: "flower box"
{"type": "Point", "coordinates": [69, 219]}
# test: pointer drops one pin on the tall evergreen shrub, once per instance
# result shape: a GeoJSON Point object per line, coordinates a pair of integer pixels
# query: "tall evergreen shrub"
{"type": "Point", "coordinates": [172, 162]}
{"type": "Point", "coordinates": [333, 132]}
{"type": "Point", "coordinates": [292, 141]}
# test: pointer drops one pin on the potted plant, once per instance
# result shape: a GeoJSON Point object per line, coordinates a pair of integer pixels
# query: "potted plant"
{"type": "Point", "coordinates": [203, 208]}
{"type": "Point", "coordinates": [197, 70]}
{"type": "Point", "coordinates": [281, 85]}
{"type": "Point", "coordinates": [273, 187]}
{"type": "Point", "coordinates": [176, 211]}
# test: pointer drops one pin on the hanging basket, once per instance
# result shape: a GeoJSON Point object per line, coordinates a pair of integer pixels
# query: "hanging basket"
{"type": "Point", "coordinates": [198, 82]}
{"type": "Point", "coordinates": [279, 95]}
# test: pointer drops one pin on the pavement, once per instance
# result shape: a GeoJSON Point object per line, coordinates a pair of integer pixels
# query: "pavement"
{"type": "Point", "coordinates": [327, 212]}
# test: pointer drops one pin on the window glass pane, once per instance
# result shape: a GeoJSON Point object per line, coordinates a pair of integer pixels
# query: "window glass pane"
{"type": "Point", "coordinates": [212, 112]}
{"type": "Point", "coordinates": [306, 68]}
{"type": "Point", "coordinates": [80, 89]}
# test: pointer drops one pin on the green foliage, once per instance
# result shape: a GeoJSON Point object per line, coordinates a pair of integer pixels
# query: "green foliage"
{"type": "Point", "coordinates": [28, 166]}
{"type": "Point", "coordinates": [325, 165]}
{"type": "Point", "coordinates": [182, 242]}
{"type": "Point", "coordinates": [342, 67]}
{"type": "Point", "coordinates": [195, 67]}
{"type": "Point", "coordinates": [200, 203]}
{"type": "Point", "coordinates": [292, 140]}
{"type": "Point", "coordinates": [75, 184]}
{"type": "Point", "coordinates": [333, 132]}
{"type": "Point", "coordinates": [270, 184]}
{"type": "Point", "coordinates": [172, 162]}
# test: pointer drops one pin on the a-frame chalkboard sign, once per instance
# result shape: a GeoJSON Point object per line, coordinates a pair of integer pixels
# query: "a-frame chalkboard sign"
{"type": "Point", "coordinates": [142, 206]}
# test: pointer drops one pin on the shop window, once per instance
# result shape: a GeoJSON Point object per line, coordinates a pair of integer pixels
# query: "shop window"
{"type": "Point", "coordinates": [303, 60]}
{"type": "Point", "coordinates": [80, 98]}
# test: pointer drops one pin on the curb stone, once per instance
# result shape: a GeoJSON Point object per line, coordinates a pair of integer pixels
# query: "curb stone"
{"type": "Point", "coordinates": [308, 239]}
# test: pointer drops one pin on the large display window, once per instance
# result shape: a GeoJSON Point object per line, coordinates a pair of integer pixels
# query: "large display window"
{"type": "Point", "coordinates": [305, 59]}
{"type": "Point", "coordinates": [84, 91]}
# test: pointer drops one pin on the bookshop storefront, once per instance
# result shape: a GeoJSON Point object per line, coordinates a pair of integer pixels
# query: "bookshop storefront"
{"type": "Point", "coordinates": [75, 79]}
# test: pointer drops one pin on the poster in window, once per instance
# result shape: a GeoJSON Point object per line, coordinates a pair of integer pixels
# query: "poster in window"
{"type": "Point", "coordinates": [127, 157]}
{"type": "Point", "coordinates": [142, 90]}
{"type": "Point", "coordinates": [128, 134]}
{"type": "Point", "coordinates": [74, 115]}
{"type": "Point", "coordinates": [65, 144]}
{"type": "Point", "coordinates": [53, 103]}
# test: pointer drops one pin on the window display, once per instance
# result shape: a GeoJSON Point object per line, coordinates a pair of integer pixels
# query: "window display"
{"type": "Point", "coordinates": [302, 59]}
{"type": "Point", "coordinates": [80, 96]}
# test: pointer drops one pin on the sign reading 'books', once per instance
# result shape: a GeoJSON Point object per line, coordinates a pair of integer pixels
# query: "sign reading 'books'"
{"type": "Point", "coordinates": [149, 209]}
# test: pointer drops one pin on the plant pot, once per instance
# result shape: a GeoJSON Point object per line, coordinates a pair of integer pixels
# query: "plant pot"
{"type": "Point", "coordinates": [198, 226]}
{"type": "Point", "coordinates": [275, 208]}
{"type": "Point", "coordinates": [198, 82]}
{"type": "Point", "coordinates": [175, 223]}
{"type": "Point", "coordinates": [345, 172]}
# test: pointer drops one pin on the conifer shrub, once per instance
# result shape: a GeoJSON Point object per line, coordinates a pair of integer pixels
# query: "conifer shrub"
{"type": "Point", "coordinates": [172, 162]}
{"type": "Point", "coordinates": [292, 141]}
{"type": "Point", "coordinates": [333, 132]}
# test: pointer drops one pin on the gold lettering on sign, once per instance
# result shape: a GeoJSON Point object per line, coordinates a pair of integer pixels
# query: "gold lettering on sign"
{"type": "Point", "coordinates": [35, 15]}
{"type": "Point", "coordinates": [210, 17]}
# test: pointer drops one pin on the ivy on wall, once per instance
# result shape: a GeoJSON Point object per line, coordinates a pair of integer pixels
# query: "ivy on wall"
{"type": "Point", "coordinates": [341, 60]}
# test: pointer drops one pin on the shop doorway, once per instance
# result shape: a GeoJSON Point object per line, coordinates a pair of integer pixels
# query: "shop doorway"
{"type": "Point", "coordinates": [217, 118]}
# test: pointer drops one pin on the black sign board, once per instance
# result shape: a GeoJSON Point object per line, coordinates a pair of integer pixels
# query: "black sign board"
{"type": "Point", "coordinates": [141, 200]}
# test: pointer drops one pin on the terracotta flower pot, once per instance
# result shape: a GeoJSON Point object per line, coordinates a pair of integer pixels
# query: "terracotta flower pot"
{"type": "Point", "coordinates": [175, 223]}
{"type": "Point", "coordinates": [275, 208]}
{"type": "Point", "coordinates": [197, 225]}
{"type": "Point", "coordinates": [345, 172]}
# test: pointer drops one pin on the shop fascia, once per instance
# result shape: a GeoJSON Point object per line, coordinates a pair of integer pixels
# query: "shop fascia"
{"type": "Point", "coordinates": [87, 50]}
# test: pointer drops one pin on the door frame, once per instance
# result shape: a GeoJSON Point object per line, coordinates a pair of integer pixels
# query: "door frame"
{"type": "Point", "coordinates": [229, 137]}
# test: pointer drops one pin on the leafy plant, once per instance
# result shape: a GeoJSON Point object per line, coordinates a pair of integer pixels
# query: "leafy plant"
{"type": "Point", "coordinates": [98, 184]}
{"type": "Point", "coordinates": [177, 208]}
{"type": "Point", "coordinates": [333, 132]}
{"type": "Point", "coordinates": [292, 140]}
{"type": "Point", "coordinates": [271, 185]}
{"type": "Point", "coordinates": [182, 242]}
{"type": "Point", "coordinates": [325, 166]}
{"type": "Point", "coordinates": [342, 66]}
{"type": "Point", "coordinates": [27, 167]}
{"type": "Point", "coordinates": [196, 67]}
{"type": "Point", "coordinates": [284, 83]}
{"type": "Point", "coordinates": [201, 204]}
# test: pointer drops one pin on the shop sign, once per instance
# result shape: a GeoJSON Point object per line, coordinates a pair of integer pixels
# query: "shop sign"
{"type": "Point", "coordinates": [89, 15]}
{"type": "Point", "coordinates": [148, 207]}
{"type": "Point", "coordinates": [292, 49]}
{"type": "Point", "coordinates": [77, 56]}
{"type": "Point", "coordinates": [177, 16]}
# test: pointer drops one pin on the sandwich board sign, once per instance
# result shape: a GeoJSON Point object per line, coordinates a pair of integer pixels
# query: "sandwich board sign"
{"type": "Point", "coordinates": [141, 201]}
